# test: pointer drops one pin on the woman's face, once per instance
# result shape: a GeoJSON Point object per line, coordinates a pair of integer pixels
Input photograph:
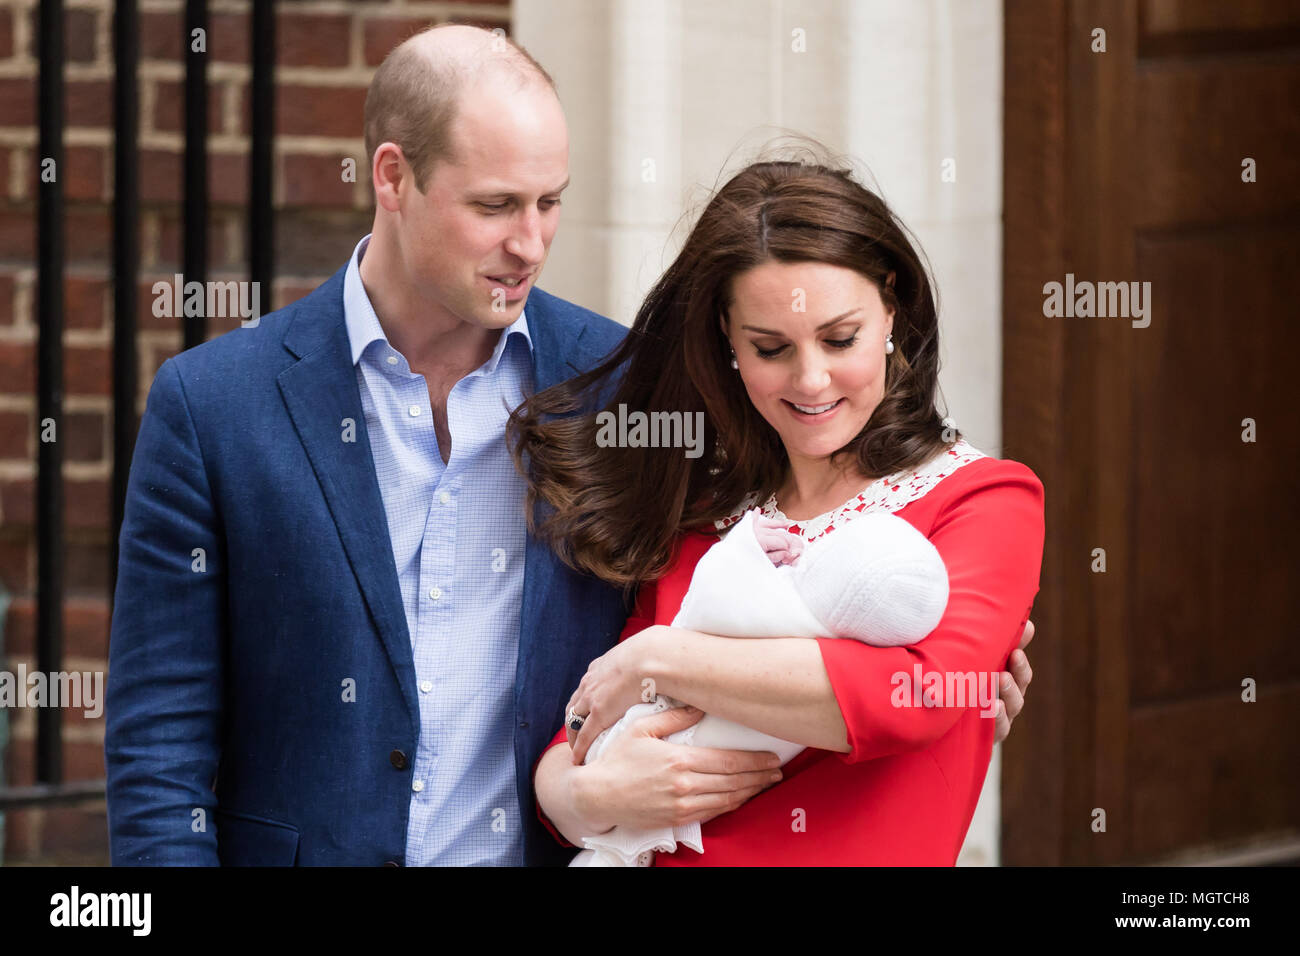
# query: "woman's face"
{"type": "Point", "coordinates": [810, 342]}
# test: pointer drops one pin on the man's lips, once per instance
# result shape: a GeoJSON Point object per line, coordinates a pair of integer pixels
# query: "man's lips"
{"type": "Point", "coordinates": [512, 292]}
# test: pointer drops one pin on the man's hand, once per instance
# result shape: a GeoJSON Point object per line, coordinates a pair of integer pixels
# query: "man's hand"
{"type": "Point", "coordinates": [646, 783]}
{"type": "Point", "coordinates": [1013, 685]}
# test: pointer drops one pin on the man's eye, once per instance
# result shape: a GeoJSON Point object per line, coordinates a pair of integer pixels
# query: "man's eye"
{"type": "Point", "coordinates": [549, 203]}
{"type": "Point", "coordinates": [495, 207]}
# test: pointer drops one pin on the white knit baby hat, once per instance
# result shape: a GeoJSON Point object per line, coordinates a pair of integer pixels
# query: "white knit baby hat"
{"type": "Point", "coordinates": [881, 581]}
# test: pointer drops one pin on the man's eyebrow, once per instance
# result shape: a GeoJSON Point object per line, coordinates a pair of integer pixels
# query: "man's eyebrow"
{"type": "Point", "coordinates": [824, 325]}
{"type": "Point", "coordinates": [507, 194]}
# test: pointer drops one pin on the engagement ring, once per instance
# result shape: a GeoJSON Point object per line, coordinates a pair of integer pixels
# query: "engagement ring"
{"type": "Point", "coordinates": [574, 721]}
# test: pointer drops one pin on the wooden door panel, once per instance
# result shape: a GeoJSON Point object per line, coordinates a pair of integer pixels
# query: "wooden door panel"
{"type": "Point", "coordinates": [1173, 17]}
{"type": "Point", "coordinates": [1212, 515]}
{"type": "Point", "coordinates": [1212, 772]}
{"type": "Point", "coordinates": [1197, 121]}
{"type": "Point", "coordinates": [1125, 166]}
{"type": "Point", "coordinates": [1199, 26]}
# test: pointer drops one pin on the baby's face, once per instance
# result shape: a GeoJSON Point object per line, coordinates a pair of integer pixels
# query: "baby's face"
{"type": "Point", "coordinates": [780, 545]}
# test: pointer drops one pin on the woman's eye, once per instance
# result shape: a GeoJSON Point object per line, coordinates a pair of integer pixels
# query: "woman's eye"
{"type": "Point", "coordinates": [833, 343]}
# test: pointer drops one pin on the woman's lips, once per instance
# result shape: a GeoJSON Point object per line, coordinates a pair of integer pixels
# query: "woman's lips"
{"type": "Point", "coordinates": [818, 417]}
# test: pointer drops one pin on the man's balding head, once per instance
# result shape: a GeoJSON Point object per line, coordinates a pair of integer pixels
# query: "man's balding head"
{"type": "Point", "coordinates": [469, 153]}
{"type": "Point", "coordinates": [413, 97]}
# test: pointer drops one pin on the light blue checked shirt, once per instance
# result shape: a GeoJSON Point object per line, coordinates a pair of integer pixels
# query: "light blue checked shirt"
{"type": "Point", "coordinates": [458, 537]}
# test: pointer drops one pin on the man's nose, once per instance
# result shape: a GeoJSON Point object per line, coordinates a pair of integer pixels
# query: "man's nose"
{"type": "Point", "coordinates": [525, 240]}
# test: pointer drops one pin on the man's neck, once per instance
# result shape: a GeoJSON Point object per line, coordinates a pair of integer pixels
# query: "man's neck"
{"type": "Point", "coordinates": [418, 329]}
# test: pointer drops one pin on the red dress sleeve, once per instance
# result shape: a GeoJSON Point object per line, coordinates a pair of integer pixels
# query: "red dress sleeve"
{"type": "Point", "coordinates": [643, 616]}
{"type": "Point", "coordinates": [989, 532]}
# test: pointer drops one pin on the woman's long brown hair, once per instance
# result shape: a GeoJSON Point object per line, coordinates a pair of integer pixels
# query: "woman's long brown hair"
{"type": "Point", "coordinates": [616, 512]}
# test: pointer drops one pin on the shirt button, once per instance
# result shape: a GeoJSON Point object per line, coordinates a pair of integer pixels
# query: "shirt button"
{"type": "Point", "coordinates": [414, 410]}
{"type": "Point", "coordinates": [426, 686]}
{"type": "Point", "coordinates": [436, 593]}
{"type": "Point", "coordinates": [445, 498]}
{"type": "Point", "coordinates": [392, 360]}
{"type": "Point", "coordinates": [417, 786]}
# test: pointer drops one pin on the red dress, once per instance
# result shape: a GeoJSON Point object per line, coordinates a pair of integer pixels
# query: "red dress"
{"type": "Point", "coordinates": [905, 793]}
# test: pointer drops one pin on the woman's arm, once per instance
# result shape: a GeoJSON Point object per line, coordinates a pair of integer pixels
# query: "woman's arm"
{"type": "Point", "coordinates": [779, 686]}
{"type": "Point", "coordinates": [642, 780]}
{"type": "Point", "coordinates": [645, 782]}
{"type": "Point", "coordinates": [841, 695]}
{"type": "Point", "coordinates": [555, 783]}
{"type": "Point", "coordinates": [776, 685]}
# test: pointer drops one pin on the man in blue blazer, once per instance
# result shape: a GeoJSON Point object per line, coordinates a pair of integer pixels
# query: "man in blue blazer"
{"type": "Point", "coordinates": [333, 641]}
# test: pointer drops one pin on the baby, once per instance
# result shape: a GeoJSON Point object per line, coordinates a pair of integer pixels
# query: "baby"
{"type": "Point", "coordinates": [874, 579]}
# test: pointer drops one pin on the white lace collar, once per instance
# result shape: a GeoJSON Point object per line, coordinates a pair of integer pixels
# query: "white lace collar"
{"type": "Point", "coordinates": [891, 493]}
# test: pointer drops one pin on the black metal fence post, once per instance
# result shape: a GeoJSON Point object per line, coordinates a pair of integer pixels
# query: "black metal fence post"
{"type": "Point", "coordinates": [261, 236]}
{"type": "Point", "coordinates": [49, 389]}
{"type": "Point", "coordinates": [196, 165]}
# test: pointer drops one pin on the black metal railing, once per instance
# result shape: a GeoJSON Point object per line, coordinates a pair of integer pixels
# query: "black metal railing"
{"type": "Point", "coordinates": [50, 789]}
{"type": "Point", "coordinates": [49, 387]}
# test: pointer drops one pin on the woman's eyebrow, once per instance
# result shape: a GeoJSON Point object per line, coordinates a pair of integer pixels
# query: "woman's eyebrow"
{"type": "Point", "coordinates": [824, 325]}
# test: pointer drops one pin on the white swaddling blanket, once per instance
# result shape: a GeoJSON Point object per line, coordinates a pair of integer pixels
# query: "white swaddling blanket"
{"type": "Point", "coordinates": [874, 579]}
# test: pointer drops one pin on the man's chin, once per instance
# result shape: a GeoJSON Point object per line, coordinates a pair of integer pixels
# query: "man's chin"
{"type": "Point", "coordinates": [494, 318]}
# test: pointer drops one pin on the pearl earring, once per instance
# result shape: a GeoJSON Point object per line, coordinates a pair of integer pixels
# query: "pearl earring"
{"type": "Point", "coordinates": [889, 344]}
{"type": "Point", "coordinates": [734, 363]}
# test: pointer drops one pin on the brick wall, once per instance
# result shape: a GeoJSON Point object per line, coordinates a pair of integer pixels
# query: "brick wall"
{"type": "Point", "coordinates": [326, 52]}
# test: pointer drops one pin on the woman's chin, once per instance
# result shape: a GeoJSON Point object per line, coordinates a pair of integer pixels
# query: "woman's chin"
{"type": "Point", "coordinates": [820, 447]}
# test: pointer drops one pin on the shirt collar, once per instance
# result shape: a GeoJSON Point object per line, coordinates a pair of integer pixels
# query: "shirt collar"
{"type": "Point", "coordinates": [364, 328]}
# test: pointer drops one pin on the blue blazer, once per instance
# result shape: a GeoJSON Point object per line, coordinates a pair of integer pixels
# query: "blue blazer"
{"type": "Point", "coordinates": [256, 584]}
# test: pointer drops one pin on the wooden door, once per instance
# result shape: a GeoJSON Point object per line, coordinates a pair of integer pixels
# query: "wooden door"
{"type": "Point", "coordinates": [1127, 166]}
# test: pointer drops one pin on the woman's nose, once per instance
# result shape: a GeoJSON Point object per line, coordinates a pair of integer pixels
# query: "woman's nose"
{"type": "Point", "coordinates": [812, 377]}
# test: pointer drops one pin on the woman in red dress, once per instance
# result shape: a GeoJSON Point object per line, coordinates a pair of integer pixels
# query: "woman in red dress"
{"type": "Point", "coordinates": [799, 320]}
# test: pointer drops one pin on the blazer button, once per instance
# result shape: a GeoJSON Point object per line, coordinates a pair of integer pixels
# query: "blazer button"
{"type": "Point", "coordinates": [391, 863]}
{"type": "Point", "coordinates": [397, 759]}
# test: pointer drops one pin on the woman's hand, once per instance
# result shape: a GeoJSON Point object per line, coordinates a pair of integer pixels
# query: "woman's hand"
{"type": "Point", "coordinates": [612, 684]}
{"type": "Point", "coordinates": [1013, 685]}
{"type": "Point", "coordinates": [644, 782]}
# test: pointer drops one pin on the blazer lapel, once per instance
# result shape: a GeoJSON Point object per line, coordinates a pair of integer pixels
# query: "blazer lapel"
{"type": "Point", "coordinates": [321, 394]}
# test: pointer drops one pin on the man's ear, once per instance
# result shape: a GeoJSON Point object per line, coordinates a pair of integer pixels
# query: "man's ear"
{"type": "Point", "coordinates": [388, 171]}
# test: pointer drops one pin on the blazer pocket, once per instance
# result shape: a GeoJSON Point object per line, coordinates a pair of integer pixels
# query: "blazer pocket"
{"type": "Point", "coordinates": [246, 840]}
